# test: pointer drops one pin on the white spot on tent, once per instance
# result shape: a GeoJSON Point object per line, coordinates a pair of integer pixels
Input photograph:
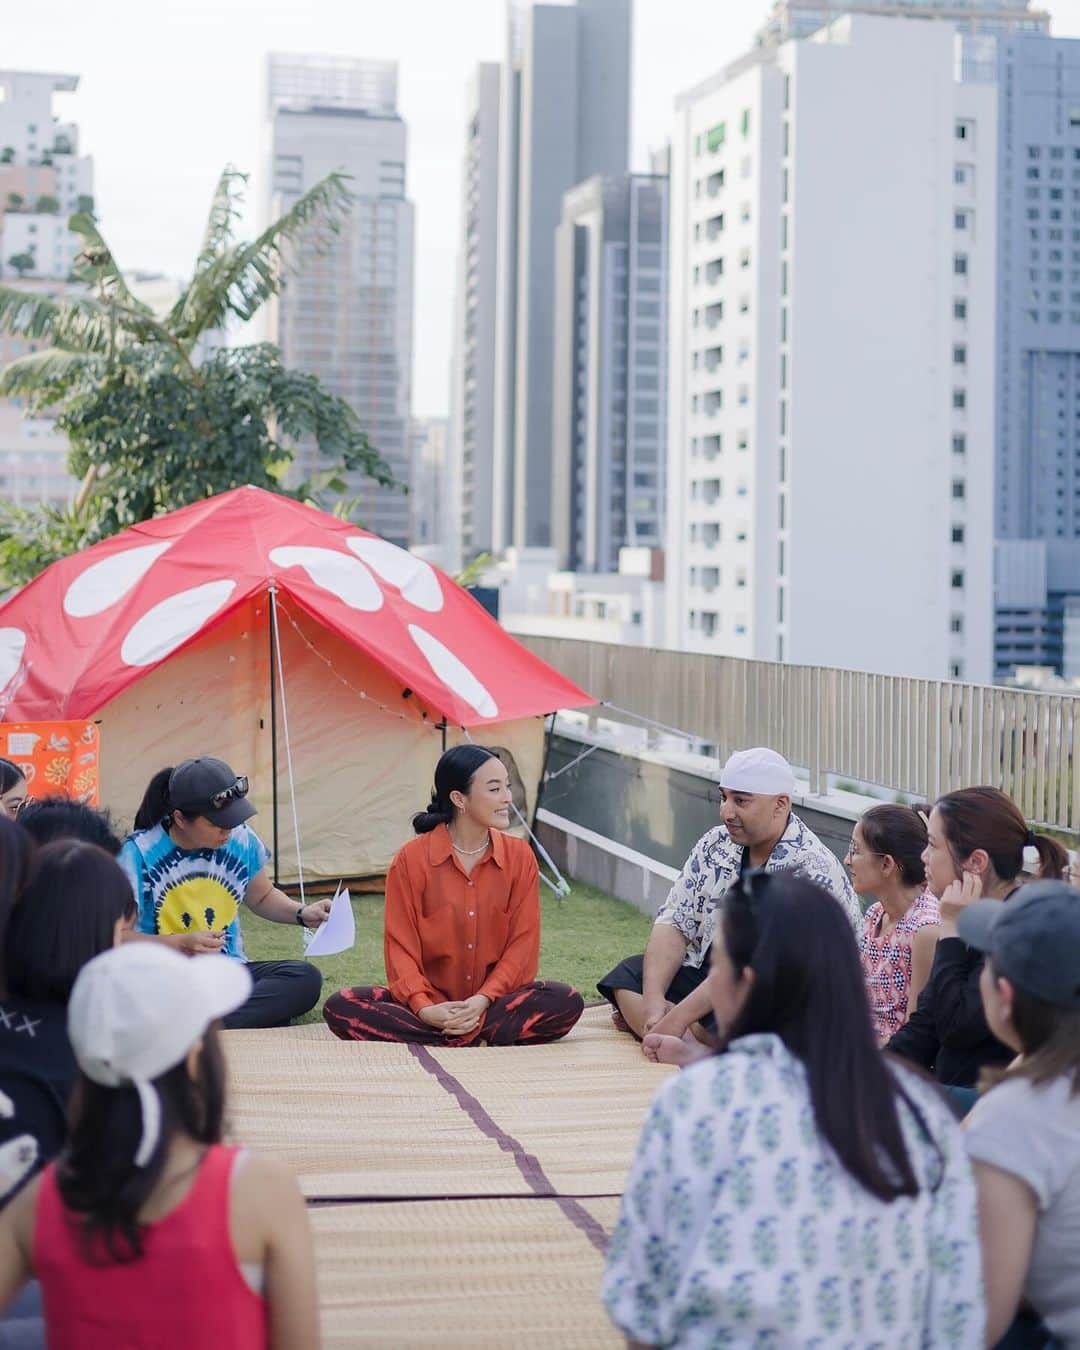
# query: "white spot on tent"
{"type": "Point", "coordinates": [168, 625]}
{"type": "Point", "coordinates": [104, 583]}
{"type": "Point", "coordinates": [335, 572]}
{"type": "Point", "coordinates": [12, 646]}
{"type": "Point", "coordinates": [453, 672]}
{"type": "Point", "coordinates": [415, 579]}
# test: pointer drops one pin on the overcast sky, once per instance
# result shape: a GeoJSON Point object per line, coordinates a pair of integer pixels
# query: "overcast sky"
{"type": "Point", "coordinates": [169, 94]}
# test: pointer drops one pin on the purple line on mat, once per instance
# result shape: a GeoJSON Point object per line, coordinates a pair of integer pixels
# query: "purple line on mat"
{"type": "Point", "coordinates": [528, 1165]}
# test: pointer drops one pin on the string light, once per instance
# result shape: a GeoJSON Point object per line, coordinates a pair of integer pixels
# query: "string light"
{"type": "Point", "coordinates": [360, 693]}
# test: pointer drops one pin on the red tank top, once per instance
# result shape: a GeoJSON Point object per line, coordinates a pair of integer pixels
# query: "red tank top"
{"type": "Point", "coordinates": [186, 1289]}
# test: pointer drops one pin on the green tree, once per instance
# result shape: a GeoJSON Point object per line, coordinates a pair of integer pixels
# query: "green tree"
{"type": "Point", "coordinates": [15, 201]}
{"type": "Point", "coordinates": [21, 263]}
{"type": "Point", "coordinates": [152, 427]}
{"type": "Point", "coordinates": [7, 155]}
{"type": "Point", "coordinates": [47, 205]}
{"type": "Point", "coordinates": [85, 203]}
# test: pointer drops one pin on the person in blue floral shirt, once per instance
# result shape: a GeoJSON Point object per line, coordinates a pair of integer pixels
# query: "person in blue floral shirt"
{"type": "Point", "coordinates": [798, 1189]}
{"type": "Point", "coordinates": [661, 992]}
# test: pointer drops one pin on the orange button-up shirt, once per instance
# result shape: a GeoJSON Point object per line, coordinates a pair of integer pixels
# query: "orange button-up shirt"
{"type": "Point", "coordinates": [449, 935]}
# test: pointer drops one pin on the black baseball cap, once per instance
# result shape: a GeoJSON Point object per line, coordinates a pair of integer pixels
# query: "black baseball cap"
{"type": "Point", "coordinates": [1032, 939]}
{"type": "Point", "coordinates": [208, 787]}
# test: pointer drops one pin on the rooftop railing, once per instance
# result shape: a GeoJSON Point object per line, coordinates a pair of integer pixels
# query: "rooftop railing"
{"type": "Point", "coordinates": [915, 737]}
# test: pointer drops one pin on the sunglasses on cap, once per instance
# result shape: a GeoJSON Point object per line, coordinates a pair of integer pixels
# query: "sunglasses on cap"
{"type": "Point", "coordinates": [230, 794]}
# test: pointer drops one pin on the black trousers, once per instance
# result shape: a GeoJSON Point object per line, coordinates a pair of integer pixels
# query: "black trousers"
{"type": "Point", "coordinates": [282, 990]}
{"type": "Point", "coordinates": [629, 974]}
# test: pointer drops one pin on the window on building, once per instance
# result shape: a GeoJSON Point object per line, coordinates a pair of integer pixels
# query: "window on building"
{"type": "Point", "coordinates": [956, 579]}
{"type": "Point", "coordinates": [956, 670]}
{"type": "Point", "coordinates": [959, 309]}
{"type": "Point", "coordinates": [960, 220]}
{"type": "Point", "coordinates": [744, 124]}
{"type": "Point", "coordinates": [965, 131]}
{"type": "Point", "coordinates": [958, 534]}
{"type": "Point", "coordinates": [716, 136]}
{"type": "Point", "coordinates": [959, 490]}
{"type": "Point", "coordinates": [956, 623]}
{"type": "Point", "coordinates": [959, 398]}
{"type": "Point", "coordinates": [959, 354]}
{"type": "Point", "coordinates": [960, 264]}
{"type": "Point", "coordinates": [959, 444]}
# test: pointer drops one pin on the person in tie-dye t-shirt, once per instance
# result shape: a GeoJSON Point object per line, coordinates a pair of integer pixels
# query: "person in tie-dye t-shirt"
{"type": "Point", "coordinates": [193, 861]}
{"type": "Point", "coordinates": [797, 1188]}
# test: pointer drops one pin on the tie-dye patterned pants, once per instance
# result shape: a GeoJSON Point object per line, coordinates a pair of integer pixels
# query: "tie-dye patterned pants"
{"type": "Point", "coordinates": [535, 1013]}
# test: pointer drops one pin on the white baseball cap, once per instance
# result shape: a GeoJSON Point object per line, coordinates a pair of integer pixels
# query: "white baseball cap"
{"type": "Point", "coordinates": [135, 1012]}
{"type": "Point", "coordinates": [759, 770]}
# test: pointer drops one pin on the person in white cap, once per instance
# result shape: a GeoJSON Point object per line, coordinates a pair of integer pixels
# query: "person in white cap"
{"type": "Point", "coordinates": [661, 993]}
{"type": "Point", "coordinates": [148, 1231]}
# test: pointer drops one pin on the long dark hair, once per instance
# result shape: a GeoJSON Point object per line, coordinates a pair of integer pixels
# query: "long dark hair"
{"type": "Point", "coordinates": [18, 862]}
{"type": "Point", "coordinates": [54, 818]}
{"type": "Point", "coordinates": [65, 917]}
{"type": "Point", "coordinates": [453, 773]}
{"type": "Point", "coordinates": [96, 1173]}
{"type": "Point", "coordinates": [898, 832]}
{"type": "Point", "coordinates": [984, 817]}
{"type": "Point", "coordinates": [809, 990]}
{"type": "Point", "coordinates": [10, 775]}
{"type": "Point", "coordinates": [155, 807]}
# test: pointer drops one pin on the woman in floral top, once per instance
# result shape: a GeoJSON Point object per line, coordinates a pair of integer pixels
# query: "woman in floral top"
{"type": "Point", "coordinates": [797, 1189]}
{"type": "Point", "coordinates": [900, 929]}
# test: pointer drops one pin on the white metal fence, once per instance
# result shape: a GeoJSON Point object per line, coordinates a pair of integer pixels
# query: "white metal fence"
{"type": "Point", "coordinates": [916, 736]}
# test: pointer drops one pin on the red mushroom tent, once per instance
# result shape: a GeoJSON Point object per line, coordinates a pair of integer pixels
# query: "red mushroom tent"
{"type": "Point", "coordinates": [258, 629]}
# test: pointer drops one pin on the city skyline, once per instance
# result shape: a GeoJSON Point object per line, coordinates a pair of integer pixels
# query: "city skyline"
{"type": "Point", "coordinates": [154, 175]}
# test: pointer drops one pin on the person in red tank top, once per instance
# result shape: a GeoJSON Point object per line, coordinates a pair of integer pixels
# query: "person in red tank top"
{"type": "Point", "coordinates": [147, 1231]}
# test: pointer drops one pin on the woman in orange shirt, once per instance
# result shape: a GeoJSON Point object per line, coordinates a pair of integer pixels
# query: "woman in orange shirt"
{"type": "Point", "coordinates": [462, 931]}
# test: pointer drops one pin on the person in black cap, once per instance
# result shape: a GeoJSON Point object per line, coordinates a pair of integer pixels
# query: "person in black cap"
{"type": "Point", "coordinates": [1023, 1137]}
{"type": "Point", "coordinates": [193, 861]}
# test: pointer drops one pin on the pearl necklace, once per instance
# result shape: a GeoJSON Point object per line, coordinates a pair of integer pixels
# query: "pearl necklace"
{"type": "Point", "coordinates": [470, 852]}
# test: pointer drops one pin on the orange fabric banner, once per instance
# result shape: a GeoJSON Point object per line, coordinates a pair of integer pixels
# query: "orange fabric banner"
{"type": "Point", "coordinates": [58, 759]}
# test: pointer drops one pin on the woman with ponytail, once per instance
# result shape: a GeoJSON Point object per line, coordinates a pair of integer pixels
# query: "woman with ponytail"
{"type": "Point", "coordinates": [462, 932]}
{"type": "Point", "coordinates": [975, 850]}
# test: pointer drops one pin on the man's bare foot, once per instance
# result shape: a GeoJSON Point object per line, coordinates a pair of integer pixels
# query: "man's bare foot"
{"type": "Point", "coordinates": [619, 1022]}
{"type": "Point", "coordinates": [677, 1050]}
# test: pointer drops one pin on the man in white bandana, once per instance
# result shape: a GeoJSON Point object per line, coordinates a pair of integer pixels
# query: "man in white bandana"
{"type": "Point", "coordinates": [663, 991]}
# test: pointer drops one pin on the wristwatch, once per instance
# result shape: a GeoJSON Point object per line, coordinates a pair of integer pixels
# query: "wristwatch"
{"type": "Point", "coordinates": [300, 915]}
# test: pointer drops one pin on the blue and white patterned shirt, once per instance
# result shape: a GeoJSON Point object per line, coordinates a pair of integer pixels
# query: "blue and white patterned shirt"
{"type": "Point", "coordinates": [184, 890]}
{"type": "Point", "coordinates": [693, 904]}
{"type": "Point", "coordinates": [739, 1225]}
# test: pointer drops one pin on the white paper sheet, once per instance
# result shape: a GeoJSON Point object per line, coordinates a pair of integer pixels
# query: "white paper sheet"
{"type": "Point", "coordinates": [336, 933]}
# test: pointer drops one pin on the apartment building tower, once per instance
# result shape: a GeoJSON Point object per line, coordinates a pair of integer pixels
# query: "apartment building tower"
{"type": "Point", "coordinates": [564, 116]}
{"type": "Point", "coordinates": [1037, 508]}
{"type": "Point", "coordinates": [44, 180]}
{"type": "Point", "coordinates": [610, 371]}
{"type": "Point", "coordinates": [345, 314]}
{"type": "Point", "coordinates": [472, 421]}
{"type": "Point", "coordinates": [830, 442]}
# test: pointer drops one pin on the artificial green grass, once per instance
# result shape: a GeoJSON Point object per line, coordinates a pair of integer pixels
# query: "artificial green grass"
{"type": "Point", "coordinates": [582, 936]}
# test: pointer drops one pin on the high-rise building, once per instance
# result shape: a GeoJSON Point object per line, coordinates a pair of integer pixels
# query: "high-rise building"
{"type": "Point", "coordinates": [472, 422]}
{"type": "Point", "coordinates": [43, 182]}
{"type": "Point", "coordinates": [830, 441]}
{"type": "Point", "coordinates": [799, 18]}
{"type": "Point", "coordinates": [1037, 515]}
{"type": "Point", "coordinates": [564, 116]}
{"type": "Point", "coordinates": [429, 475]}
{"type": "Point", "coordinates": [609, 414]}
{"type": "Point", "coordinates": [345, 312]}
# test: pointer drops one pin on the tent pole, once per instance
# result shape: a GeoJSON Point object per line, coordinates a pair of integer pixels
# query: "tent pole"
{"type": "Point", "coordinates": [272, 632]}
